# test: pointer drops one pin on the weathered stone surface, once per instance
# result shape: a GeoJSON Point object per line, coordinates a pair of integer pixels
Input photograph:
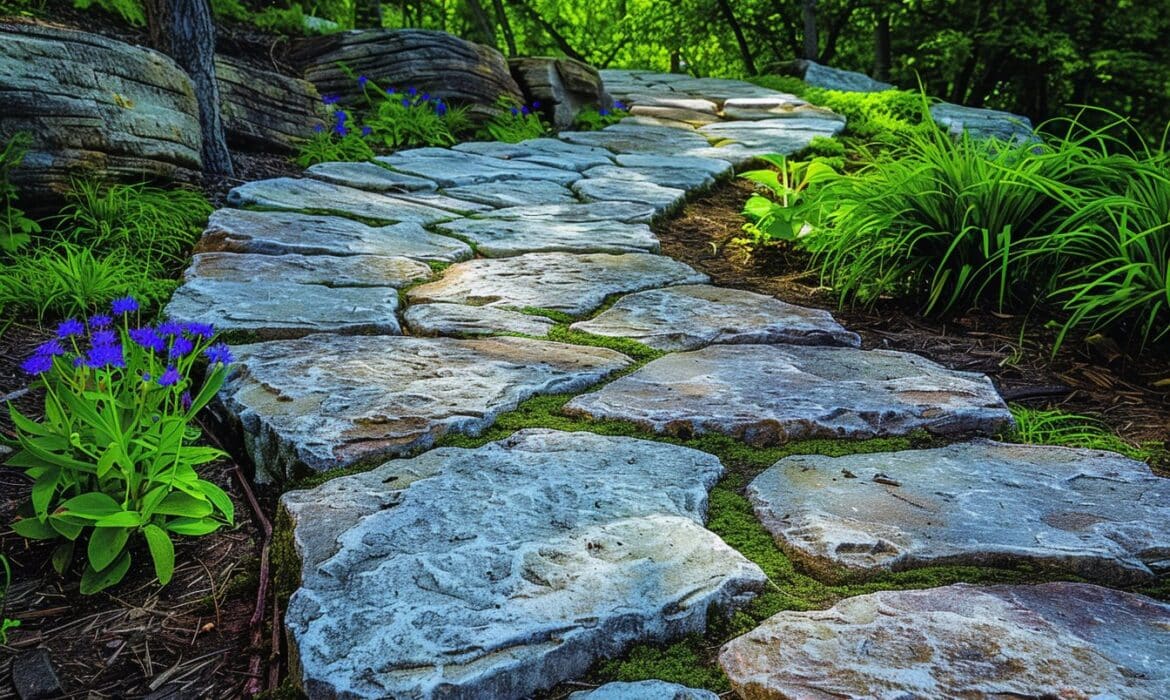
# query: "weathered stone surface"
{"type": "Point", "coordinates": [660, 140]}
{"type": "Point", "coordinates": [451, 168]}
{"type": "Point", "coordinates": [369, 176]}
{"type": "Point", "coordinates": [434, 62]}
{"type": "Point", "coordinates": [1066, 640]}
{"type": "Point", "coordinates": [294, 194]}
{"type": "Point", "coordinates": [503, 238]}
{"type": "Point", "coordinates": [779, 106]}
{"type": "Point", "coordinates": [33, 676]}
{"type": "Point", "coordinates": [503, 570]}
{"type": "Point", "coordinates": [562, 86]}
{"type": "Point", "coordinates": [643, 690]}
{"type": "Point", "coordinates": [553, 153]}
{"type": "Point", "coordinates": [715, 167]}
{"type": "Point", "coordinates": [94, 105]}
{"type": "Point", "coordinates": [264, 110]}
{"type": "Point", "coordinates": [600, 189]}
{"type": "Point", "coordinates": [689, 317]}
{"type": "Point", "coordinates": [817, 75]}
{"type": "Point", "coordinates": [574, 284]}
{"type": "Point", "coordinates": [689, 117]}
{"type": "Point", "coordinates": [462, 320]}
{"type": "Point", "coordinates": [769, 394]}
{"type": "Point", "coordinates": [672, 101]}
{"type": "Point", "coordinates": [277, 233]}
{"type": "Point", "coordinates": [680, 178]}
{"type": "Point", "coordinates": [276, 310]}
{"type": "Point", "coordinates": [327, 401]}
{"type": "Point", "coordinates": [1098, 515]}
{"type": "Point", "coordinates": [348, 271]}
{"type": "Point", "coordinates": [510, 194]}
{"type": "Point", "coordinates": [776, 135]}
{"type": "Point", "coordinates": [983, 123]}
{"type": "Point", "coordinates": [627, 212]}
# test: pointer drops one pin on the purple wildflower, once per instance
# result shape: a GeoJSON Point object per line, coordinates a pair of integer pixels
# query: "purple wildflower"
{"type": "Point", "coordinates": [100, 321]}
{"type": "Point", "coordinates": [170, 328]}
{"type": "Point", "coordinates": [618, 104]}
{"type": "Point", "coordinates": [103, 337]}
{"type": "Point", "coordinates": [391, 91]}
{"type": "Point", "coordinates": [218, 353]}
{"type": "Point", "coordinates": [603, 112]}
{"type": "Point", "coordinates": [536, 104]}
{"type": "Point", "coordinates": [148, 338]}
{"type": "Point", "coordinates": [181, 347]}
{"type": "Point", "coordinates": [341, 130]}
{"type": "Point", "coordinates": [362, 80]}
{"type": "Point", "coordinates": [525, 111]}
{"type": "Point", "coordinates": [146, 377]}
{"type": "Point", "coordinates": [366, 130]}
{"type": "Point", "coordinates": [331, 99]}
{"type": "Point", "coordinates": [69, 328]}
{"type": "Point", "coordinates": [426, 97]}
{"type": "Point", "coordinates": [170, 377]}
{"type": "Point", "coordinates": [37, 364]}
{"type": "Point", "coordinates": [200, 330]}
{"type": "Point", "coordinates": [515, 111]}
{"type": "Point", "coordinates": [51, 348]}
{"type": "Point", "coordinates": [412, 92]}
{"type": "Point", "coordinates": [105, 356]}
{"type": "Point", "coordinates": [185, 400]}
{"type": "Point", "coordinates": [124, 305]}
{"type": "Point", "coordinates": [405, 102]}
{"type": "Point", "coordinates": [440, 108]}
{"type": "Point", "coordinates": [319, 128]}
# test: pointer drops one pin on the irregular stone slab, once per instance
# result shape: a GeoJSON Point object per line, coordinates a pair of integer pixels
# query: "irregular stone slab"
{"type": "Point", "coordinates": [689, 117]}
{"type": "Point", "coordinates": [663, 199]}
{"type": "Point", "coordinates": [1066, 640]}
{"type": "Point", "coordinates": [770, 394]}
{"type": "Point", "coordinates": [462, 320]}
{"type": "Point", "coordinates": [507, 194]}
{"type": "Point", "coordinates": [714, 167]}
{"type": "Point", "coordinates": [983, 123]}
{"type": "Point", "coordinates": [779, 106]}
{"type": "Point", "coordinates": [278, 233]}
{"type": "Point", "coordinates": [682, 179]}
{"type": "Point", "coordinates": [503, 238]}
{"type": "Point", "coordinates": [690, 317]}
{"type": "Point", "coordinates": [368, 176]}
{"type": "Point", "coordinates": [719, 89]}
{"type": "Point", "coordinates": [669, 101]}
{"type": "Point", "coordinates": [329, 401]}
{"type": "Point", "coordinates": [349, 271]}
{"type": "Point", "coordinates": [643, 690]}
{"type": "Point", "coordinates": [775, 135]}
{"type": "Point", "coordinates": [545, 151]}
{"type": "Point", "coordinates": [451, 168]}
{"type": "Point", "coordinates": [265, 111]}
{"type": "Point", "coordinates": [563, 86]}
{"type": "Point", "coordinates": [1096, 514]}
{"type": "Point", "coordinates": [659, 140]}
{"type": "Point", "coordinates": [573, 284]}
{"type": "Point", "coordinates": [821, 76]}
{"type": "Point", "coordinates": [275, 310]}
{"type": "Point", "coordinates": [294, 194]}
{"type": "Point", "coordinates": [628, 212]}
{"type": "Point", "coordinates": [503, 570]}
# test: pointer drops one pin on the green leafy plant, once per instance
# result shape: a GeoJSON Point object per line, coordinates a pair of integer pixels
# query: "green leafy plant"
{"type": "Point", "coordinates": [5, 623]}
{"type": "Point", "coordinates": [16, 229]}
{"type": "Point", "coordinates": [593, 118]}
{"type": "Point", "coordinates": [130, 11]}
{"type": "Point", "coordinates": [779, 219]}
{"type": "Point", "coordinates": [513, 123]}
{"type": "Point", "coordinates": [115, 455]}
{"type": "Point", "coordinates": [1054, 427]}
{"type": "Point", "coordinates": [339, 143]}
{"type": "Point", "coordinates": [410, 118]}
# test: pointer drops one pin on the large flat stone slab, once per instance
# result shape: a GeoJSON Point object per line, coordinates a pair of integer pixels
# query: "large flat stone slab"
{"type": "Point", "coordinates": [316, 196]}
{"type": "Point", "coordinates": [279, 233]}
{"type": "Point", "coordinates": [549, 152]}
{"type": "Point", "coordinates": [627, 212]}
{"type": "Point", "coordinates": [573, 284]}
{"type": "Point", "coordinates": [690, 317]}
{"type": "Point", "coordinates": [770, 394]}
{"type": "Point", "coordinates": [507, 194]}
{"type": "Point", "coordinates": [1095, 514]}
{"type": "Point", "coordinates": [662, 141]}
{"type": "Point", "coordinates": [329, 401]}
{"type": "Point", "coordinates": [347, 271]}
{"type": "Point", "coordinates": [450, 168]}
{"type": "Point", "coordinates": [663, 199]}
{"type": "Point", "coordinates": [715, 167]}
{"type": "Point", "coordinates": [503, 238]}
{"type": "Point", "coordinates": [679, 178]}
{"type": "Point", "coordinates": [503, 570]}
{"type": "Point", "coordinates": [1056, 640]}
{"type": "Point", "coordinates": [370, 176]}
{"type": "Point", "coordinates": [643, 690]}
{"type": "Point", "coordinates": [278, 310]}
{"type": "Point", "coordinates": [775, 135]}
{"type": "Point", "coordinates": [461, 320]}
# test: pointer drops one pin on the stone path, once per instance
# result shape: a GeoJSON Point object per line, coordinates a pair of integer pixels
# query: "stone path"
{"type": "Point", "coordinates": [370, 303]}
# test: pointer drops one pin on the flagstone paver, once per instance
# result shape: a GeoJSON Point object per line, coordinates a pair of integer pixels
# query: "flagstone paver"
{"type": "Point", "coordinates": [300, 194]}
{"type": "Point", "coordinates": [502, 570]}
{"type": "Point", "coordinates": [663, 199]}
{"type": "Point", "coordinates": [643, 690]}
{"type": "Point", "coordinates": [771, 394]}
{"type": "Point", "coordinates": [449, 168]}
{"type": "Point", "coordinates": [548, 152]}
{"type": "Point", "coordinates": [1055, 640]}
{"type": "Point", "coordinates": [461, 320]}
{"type": "Point", "coordinates": [626, 212]}
{"type": "Point", "coordinates": [507, 194]}
{"type": "Point", "coordinates": [502, 238]}
{"type": "Point", "coordinates": [344, 271]}
{"type": "Point", "coordinates": [369, 176]}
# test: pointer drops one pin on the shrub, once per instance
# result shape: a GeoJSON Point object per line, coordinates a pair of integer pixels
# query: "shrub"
{"type": "Point", "coordinates": [594, 118]}
{"type": "Point", "coordinates": [513, 123]}
{"type": "Point", "coordinates": [780, 219]}
{"type": "Point", "coordinates": [16, 229]}
{"type": "Point", "coordinates": [114, 455]}
{"type": "Point", "coordinates": [130, 11]}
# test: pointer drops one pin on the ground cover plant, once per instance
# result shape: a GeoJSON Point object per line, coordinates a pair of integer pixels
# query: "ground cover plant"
{"type": "Point", "coordinates": [513, 123]}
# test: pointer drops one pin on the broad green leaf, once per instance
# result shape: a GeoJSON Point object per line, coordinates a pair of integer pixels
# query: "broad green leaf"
{"type": "Point", "coordinates": [185, 505]}
{"type": "Point", "coordinates": [93, 581]}
{"type": "Point", "coordinates": [220, 499]}
{"type": "Point", "coordinates": [127, 518]}
{"type": "Point", "coordinates": [43, 490]}
{"type": "Point", "coordinates": [62, 556]}
{"type": "Point", "coordinates": [91, 506]}
{"type": "Point", "coordinates": [33, 529]}
{"type": "Point", "coordinates": [67, 527]}
{"type": "Point", "coordinates": [191, 526]}
{"type": "Point", "coordinates": [105, 544]}
{"type": "Point", "coordinates": [162, 551]}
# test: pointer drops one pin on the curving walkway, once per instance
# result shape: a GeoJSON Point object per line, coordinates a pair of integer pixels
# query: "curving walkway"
{"type": "Point", "coordinates": [383, 307]}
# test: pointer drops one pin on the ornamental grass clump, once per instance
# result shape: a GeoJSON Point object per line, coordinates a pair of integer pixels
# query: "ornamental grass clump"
{"type": "Point", "coordinates": [115, 455]}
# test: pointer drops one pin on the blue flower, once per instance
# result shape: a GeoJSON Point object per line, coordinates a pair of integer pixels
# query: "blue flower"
{"type": "Point", "coordinates": [515, 111]}
{"type": "Point", "coordinates": [618, 104]}
{"type": "Point", "coordinates": [170, 328]}
{"type": "Point", "coordinates": [412, 92]}
{"type": "Point", "coordinates": [405, 102]}
{"type": "Point", "coordinates": [52, 348]}
{"type": "Point", "coordinates": [426, 97]}
{"type": "Point", "coordinates": [362, 80]}
{"type": "Point", "coordinates": [218, 353]}
{"type": "Point", "coordinates": [341, 130]}
{"type": "Point", "coordinates": [170, 377]}
{"type": "Point", "coordinates": [536, 104]}
{"type": "Point", "coordinates": [440, 108]}
{"type": "Point", "coordinates": [366, 131]}
{"type": "Point", "coordinates": [105, 356]}
{"type": "Point", "coordinates": [319, 128]}
{"type": "Point", "coordinates": [37, 364]}
{"type": "Point", "coordinates": [149, 339]}
{"type": "Point", "coordinates": [100, 321]}
{"type": "Point", "coordinates": [391, 91]}
{"type": "Point", "coordinates": [124, 305]}
{"type": "Point", "coordinates": [331, 99]}
{"type": "Point", "coordinates": [185, 400]}
{"type": "Point", "coordinates": [199, 330]}
{"type": "Point", "coordinates": [146, 377]}
{"type": "Point", "coordinates": [103, 337]}
{"type": "Point", "coordinates": [603, 112]}
{"type": "Point", "coordinates": [525, 111]}
{"type": "Point", "coordinates": [341, 116]}
{"type": "Point", "coordinates": [181, 347]}
{"type": "Point", "coordinates": [70, 328]}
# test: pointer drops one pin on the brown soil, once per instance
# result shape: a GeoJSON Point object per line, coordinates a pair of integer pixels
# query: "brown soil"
{"type": "Point", "coordinates": [1131, 396]}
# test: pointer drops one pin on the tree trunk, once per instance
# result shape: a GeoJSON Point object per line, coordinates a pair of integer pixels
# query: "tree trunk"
{"type": "Point", "coordinates": [484, 33]}
{"type": "Point", "coordinates": [808, 11]}
{"type": "Point", "coordinates": [505, 26]}
{"type": "Point", "coordinates": [546, 26]}
{"type": "Point", "coordinates": [183, 30]}
{"type": "Point", "coordinates": [881, 65]}
{"type": "Point", "coordinates": [744, 50]}
{"type": "Point", "coordinates": [367, 14]}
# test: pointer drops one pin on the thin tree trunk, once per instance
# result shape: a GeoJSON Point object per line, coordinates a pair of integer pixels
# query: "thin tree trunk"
{"type": "Point", "coordinates": [485, 33]}
{"type": "Point", "coordinates": [881, 65]}
{"type": "Point", "coordinates": [183, 30]}
{"type": "Point", "coordinates": [367, 14]}
{"type": "Point", "coordinates": [744, 50]}
{"type": "Point", "coordinates": [506, 26]}
{"type": "Point", "coordinates": [808, 12]}
{"type": "Point", "coordinates": [562, 43]}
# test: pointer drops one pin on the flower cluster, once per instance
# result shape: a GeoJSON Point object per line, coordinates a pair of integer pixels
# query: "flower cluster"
{"type": "Point", "coordinates": [618, 106]}
{"type": "Point", "coordinates": [525, 110]}
{"type": "Point", "coordinates": [412, 98]}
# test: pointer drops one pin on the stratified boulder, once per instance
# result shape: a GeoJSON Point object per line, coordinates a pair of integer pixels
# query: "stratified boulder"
{"type": "Point", "coordinates": [95, 105]}
{"type": "Point", "coordinates": [562, 86]}
{"type": "Point", "coordinates": [981, 123]}
{"type": "Point", "coordinates": [266, 111]}
{"type": "Point", "coordinates": [434, 62]}
{"type": "Point", "coordinates": [820, 76]}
